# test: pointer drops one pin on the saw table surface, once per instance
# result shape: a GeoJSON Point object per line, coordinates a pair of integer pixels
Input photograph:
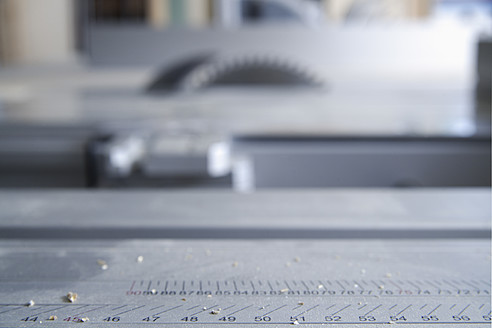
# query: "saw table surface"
{"type": "Point", "coordinates": [271, 258]}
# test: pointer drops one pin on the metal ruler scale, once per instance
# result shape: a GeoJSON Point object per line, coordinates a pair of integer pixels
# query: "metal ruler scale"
{"type": "Point", "coordinates": [247, 283]}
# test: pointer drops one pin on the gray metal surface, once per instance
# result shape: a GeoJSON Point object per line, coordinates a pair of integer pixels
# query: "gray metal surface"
{"type": "Point", "coordinates": [435, 276]}
{"type": "Point", "coordinates": [198, 283]}
{"type": "Point", "coordinates": [288, 162]}
{"type": "Point", "coordinates": [217, 212]}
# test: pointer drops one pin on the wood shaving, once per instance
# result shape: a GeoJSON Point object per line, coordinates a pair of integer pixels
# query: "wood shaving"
{"type": "Point", "coordinates": [209, 296]}
{"type": "Point", "coordinates": [153, 291]}
{"type": "Point", "coordinates": [297, 259]}
{"type": "Point", "coordinates": [295, 322]}
{"type": "Point", "coordinates": [320, 286]}
{"type": "Point", "coordinates": [85, 319]}
{"type": "Point", "coordinates": [52, 317]}
{"type": "Point", "coordinates": [72, 297]}
{"type": "Point", "coordinates": [285, 290]}
{"type": "Point", "coordinates": [235, 264]}
{"type": "Point", "coordinates": [300, 303]}
{"type": "Point", "coordinates": [102, 264]}
{"type": "Point", "coordinates": [30, 303]}
{"type": "Point", "coordinates": [381, 286]}
{"type": "Point", "coordinates": [216, 311]}
{"type": "Point", "coordinates": [140, 259]}
{"type": "Point", "coordinates": [183, 299]}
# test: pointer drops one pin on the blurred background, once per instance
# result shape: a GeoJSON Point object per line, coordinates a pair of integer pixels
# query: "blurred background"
{"type": "Point", "coordinates": [245, 94]}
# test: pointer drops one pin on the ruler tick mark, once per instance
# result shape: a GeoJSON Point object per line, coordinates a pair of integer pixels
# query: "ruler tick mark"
{"type": "Point", "coordinates": [314, 307]}
{"type": "Point", "coordinates": [467, 283]}
{"type": "Point", "coordinates": [359, 285]}
{"type": "Point", "coordinates": [173, 308]}
{"type": "Point", "coordinates": [61, 307]}
{"type": "Point", "coordinates": [338, 282]}
{"type": "Point", "coordinates": [363, 306]}
{"type": "Point", "coordinates": [437, 307]}
{"type": "Point", "coordinates": [229, 307]}
{"type": "Point", "coordinates": [403, 310]}
{"type": "Point", "coordinates": [100, 307]}
{"type": "Point", "coordinates": [20, 307]}
{"type": "Point", "coordinates": [274, 310]}
{"type": "Point", "coordinates": [191, 308]}
{"type": "Point", "coordinates": [377, 307]}
{"type": "Point", "coordinates": [155, 308]}
{"type": "Point", "coordinates": [204, 309]}
{"type": "Point", "coordinates": [244, 308]}
{"type": "Point", "coordinates": [391, 308]}
{"type": "Point", "coordinates": [414, 285]}
{"type": "Point", "coordinates": [464, 309]}
{"type": "Point", "coordinates": [341, 309]}
{"type": "Point", "coordinates": [138, 307]}
{"type": "Point", "coordinates": [397, 286]}
{"type": "Point", "coordinates": [119, 307]}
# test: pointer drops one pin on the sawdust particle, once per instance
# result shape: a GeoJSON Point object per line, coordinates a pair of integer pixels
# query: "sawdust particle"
{"type": "Point", "coordinates": [216, 311]}
{"type": "Point", "coordinates": [102, 264]}
{"type": "Point", "coordinates": [52, 317]}
{"type": "Point", "coordinates": [30, 303]}
{"type": "Point", "coordinates": [140, 259]}
{"type": "Point", "coordinates": [72, 297]}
